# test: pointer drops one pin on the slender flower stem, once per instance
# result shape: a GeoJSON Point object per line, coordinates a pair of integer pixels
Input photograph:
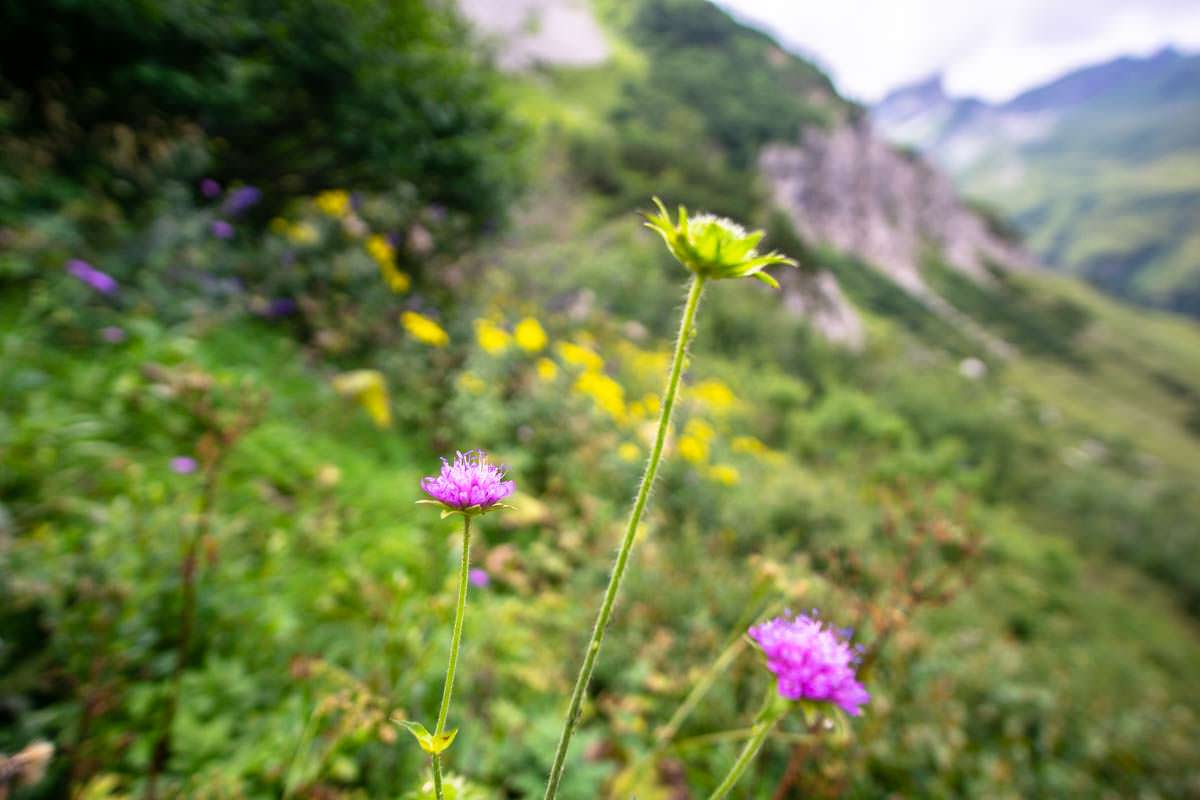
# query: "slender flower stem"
{"type": "Point", "coordinates": [635, 517]}
{"type": "Point", "coordinates": [762, 729]}
{"type": "Point", "coordinates": [455, 643]}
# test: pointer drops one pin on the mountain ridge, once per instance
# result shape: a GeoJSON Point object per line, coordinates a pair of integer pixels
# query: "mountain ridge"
{"type": "Point", "coordinates": [1100, 167]}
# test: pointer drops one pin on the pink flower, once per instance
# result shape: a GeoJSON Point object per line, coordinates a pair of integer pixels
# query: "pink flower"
{"type": "Point", "coordinates": [102, 282]}
{"type": "Point", "coordinates": [811, 661]}
{"type": "Point", "coordinates": [479, 578]}
{"type": "Point", "coordinates": [470, 484]}
{"type": "Point", "coordinates": [183, 465]}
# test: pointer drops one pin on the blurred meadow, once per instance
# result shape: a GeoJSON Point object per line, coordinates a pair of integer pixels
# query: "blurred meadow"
{"type": "Point", "coordinates": [263, 263]}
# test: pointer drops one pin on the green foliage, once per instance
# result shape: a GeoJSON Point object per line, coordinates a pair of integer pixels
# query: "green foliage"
{"type": "Point", "coordinates": [1016, 551]}
{"type": "Point", "coordinates": [292, 97]}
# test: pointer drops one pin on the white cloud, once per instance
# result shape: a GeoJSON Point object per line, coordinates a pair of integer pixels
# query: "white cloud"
{"type": "Point", "coordinates": [987, 48]}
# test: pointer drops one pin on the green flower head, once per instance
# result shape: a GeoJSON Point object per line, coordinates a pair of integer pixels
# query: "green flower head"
{"type": "Point", "coordinates": [714, 247]}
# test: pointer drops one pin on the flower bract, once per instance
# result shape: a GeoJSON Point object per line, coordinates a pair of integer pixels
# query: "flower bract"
{"type": "Point", "coordinates": [714, 247]}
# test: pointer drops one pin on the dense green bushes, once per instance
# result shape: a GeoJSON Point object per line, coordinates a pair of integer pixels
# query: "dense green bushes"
{"type": "Point", "coordinates": [290, 96]}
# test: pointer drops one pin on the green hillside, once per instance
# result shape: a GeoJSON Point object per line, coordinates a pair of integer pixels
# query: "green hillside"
{"type": "Point", "coordinates": [1015, 550]}
{"type": "Point", "coordinates": [1100, 168]}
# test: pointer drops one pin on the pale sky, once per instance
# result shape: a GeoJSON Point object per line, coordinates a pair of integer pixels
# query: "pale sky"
{"type": "Point", "coordinates": [986, 48]}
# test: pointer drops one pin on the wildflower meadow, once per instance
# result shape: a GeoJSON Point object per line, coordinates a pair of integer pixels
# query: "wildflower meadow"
{"type": "Point", "coordinates": [370, 428]}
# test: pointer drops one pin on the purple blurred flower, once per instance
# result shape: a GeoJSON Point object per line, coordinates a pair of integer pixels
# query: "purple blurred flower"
{"type": "Point", "coordinates": [100, 281]}
{"type": "Point", "coordinates": [242, 199]}
{"type": "Point", "coordinates": [811, 661]}
{"type": "Point", "coordinates": [210, 188]}
{"type": "Point", "coordinates": [183, 465]}
{"type": "Point", "coordinates": [280, 307]}
{"type": "Point", "coordinates": [112, 334]}
{"type": "Point", "coordinates": [470, 484]}
{"type": "Point", "coordinates": [221, 229]}
{"type": "Point", "coordinates": [479, 578]}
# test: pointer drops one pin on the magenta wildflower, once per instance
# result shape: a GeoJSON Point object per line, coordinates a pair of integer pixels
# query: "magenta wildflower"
{"type": "Point", "coordinates": [479, 578]}
{"type": "Point", "coordinates": [100, 281]}
{"type": "Point", "coordinates": [470, 485]}
{"type": "Point", "coordinates": [210, 188]}
{"type": "Point", "coordinates": [812, 661]}
{"type": "Point", "coordinates": [183, 465]}
{"type": "Point", "coordinates": [221, 229]}
{"type": "Point", "coordinates": [112, 334]}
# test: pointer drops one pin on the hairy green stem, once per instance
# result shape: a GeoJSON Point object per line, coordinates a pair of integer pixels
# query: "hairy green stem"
{"type": "Point", "coordinates": [635, 517]}
{"type": "Point", "coordinates": [455, 642]}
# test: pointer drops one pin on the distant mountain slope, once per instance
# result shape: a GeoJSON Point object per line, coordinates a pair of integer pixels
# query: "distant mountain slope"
{"type": "Point", "coordinates": [1101, 168]}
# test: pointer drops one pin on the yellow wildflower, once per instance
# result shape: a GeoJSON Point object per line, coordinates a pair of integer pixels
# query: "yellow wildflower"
{"type": "Point", "coordinates": [653, 404]}
{"type": "Point", "coordinates": [547, 370]}
{"type": "Point", "coordinates": [333, 203]}
{"type": "Point", "coordinates": [723, 473]}
{"type": "Point", "coordinates": [471, 383]}
{"type": "Point", "coordinates": [699, 429]}
{"type": "Point", "coordinates": [491, 337]}
{"type": "Point", "coordinates": [384, 254]}
{"type": "Point", "coordinates": [629, 452]}
{"type": "Point", "coordinates": [605, 391]}
{"type": "Point", "coordinates": [748, 444]}
{"type": "Point", "coordinates": [368, 388]}
{"type": "Point", "coordinates": [692, 449]}
{"type": "Point", "coordinates": [580, 356]}
{"type": "Point", "coordinates": [714, 394]}
{"type": "Point", "coordinates": [423, 329]}
{"type": "Point", "coordinates": [637, 409]}
{"type": "Point", "coordinates": [530, 335]}
{"type": "Point", "coordinates": [381, 249]}
{"type": "Point", "coordinates": [303, 233]}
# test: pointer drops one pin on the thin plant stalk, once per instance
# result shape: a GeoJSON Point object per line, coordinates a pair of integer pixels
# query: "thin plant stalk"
{"type": "Point", "coordinates": [455, 643]}
{"type": "Point", "coordinates": [604, 616]}
{"type": "Point", "coordinates": [767, 718]}
{"type": "Point", "coordinates": [187, 619]}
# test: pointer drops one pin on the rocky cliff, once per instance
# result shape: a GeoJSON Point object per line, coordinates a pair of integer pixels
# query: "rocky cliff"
{"type": "Point", "coordinates": [848, 188]}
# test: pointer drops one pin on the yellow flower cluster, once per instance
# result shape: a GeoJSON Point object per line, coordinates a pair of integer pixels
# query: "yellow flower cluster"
{"type": "Point", "coordinates": [368, 388]}
{"type": "Point", "coordinates": [580, 356]}
{"type": "Point", "coordinates": [547, 370]}
{"type": "Point", "coordinates": [628, 451]}
{"type": "Point", "coordinates": [530, 335]}
{"type": "Point", "coordinates": [301, 233]}
{"type": "Point", "coordinates": [606, 392]}
{"type": "Point", "coordinates": [423, 329]}
{"type": "Point", "coordinates": [696, 441]}
{"type": "Point", "coordinates": [333, 203]}
{"type": "Point", "coordinates": [491, 337]}
{"type": "Point", "coordinates": [384, 254]}
{"type": "Point", "coordinates": [724, 473]}
{"type": "Point", "coordinates": [714, 394]}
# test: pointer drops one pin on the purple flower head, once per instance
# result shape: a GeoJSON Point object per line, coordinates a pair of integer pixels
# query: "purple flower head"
{"type": "Point", "coordinates": [242, 199]}
{"type": "Point", "coordinates": [112, 334]}
{"type": "Point", "coordinates": [183, 465]}
{"type": "Point", "coordinates": [100, 281]}
{"type": "Point", "coordinates": [280, 307]}
{"type": "Point", "coordinates": [479, 578]}
{"type": "Point", "coordinates": [221, 229]}
{"type": "Point", "coordinates": [210, 188]}
{"type": "Point", "coordinates": [812, 661]}
{"type": "Point", "coordinates": [470, 485]}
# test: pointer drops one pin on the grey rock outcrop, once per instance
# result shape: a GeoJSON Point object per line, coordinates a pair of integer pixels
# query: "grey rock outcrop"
{"type": "Point", "coordinates": [847, 188]}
